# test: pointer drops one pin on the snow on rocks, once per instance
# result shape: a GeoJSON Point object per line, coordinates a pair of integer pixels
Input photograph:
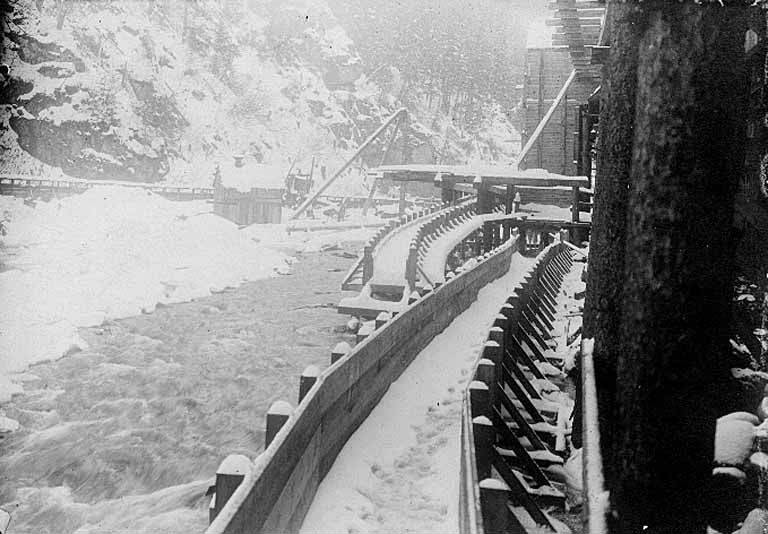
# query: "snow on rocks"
{"type": "Point", "coordinates": [734, 438]}
{"type": "Point", "coordinates": [754, 523]}
{"type": "Point", "coordinates": [397, 473]}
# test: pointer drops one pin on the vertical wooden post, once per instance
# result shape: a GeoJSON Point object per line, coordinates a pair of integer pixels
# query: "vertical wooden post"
{"type": "Point", "coordinates": [486, 373]}
{"type": "Point", "coordinates": [307, 380]}
{"type": "Point", "coordinates": [367, 264]}
{"type": "Point", "coordinates": [229, 476]}
{"type": "Point", "coordinates": [277, 416]}
{"type": "Point", "coordinates": [575, 203]}
{"type": "Point", "coordinates": [478, 398]}
{"type": "Point", "coordinates": [510, 199]}
{"type": "Point", "coordinates": [401, 203]}
{"type": "Point", "coordinates": [410, 266]}
{"type": "Point", "coordinates": [484, 440]}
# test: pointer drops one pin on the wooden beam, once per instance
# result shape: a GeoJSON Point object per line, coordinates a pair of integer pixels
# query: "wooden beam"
{"type": "Point", "coordinates": [547, 117]}
{"type": "Point", "coordinates": [395, 116]}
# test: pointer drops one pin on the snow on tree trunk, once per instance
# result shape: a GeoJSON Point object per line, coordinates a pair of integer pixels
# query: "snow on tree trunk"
{"type": "Point", "coordinates": [687, 160]}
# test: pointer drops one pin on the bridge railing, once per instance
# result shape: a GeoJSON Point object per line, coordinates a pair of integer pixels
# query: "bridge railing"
{"type": "Point", "coordinates": [274, 493]}
{"type": "Point", "coordinates": [493, 457]}
{"type": "Point", "coordinates": [20, 183]}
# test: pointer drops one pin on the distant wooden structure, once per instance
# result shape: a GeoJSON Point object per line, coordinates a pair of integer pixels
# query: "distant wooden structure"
{"type": "Point", "coordinates": [559, 90]}
{"type": "Point", "coordinates": [249, 193]}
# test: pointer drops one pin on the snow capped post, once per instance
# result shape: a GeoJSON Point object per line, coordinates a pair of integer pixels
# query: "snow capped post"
{"type": "Point", "coordinates": [487, 236]}
{"type": "Point", "coordinates": [479, 398]}
{"type": "Point", "coordinates": [277, 416]}
{"type": "Point", "coordinates": [365, 330]}
{"type": "Point", "coordinates": [307, 380]}
{"type": "Point", "coordinates": [229, 475]}
{"type": "Point", "coordinates": [382, 319]}
{"type": "Point", "coordinates": [486, 373]}
{"type": "Point", "coordinates": [495, 335]}
{"type": "Point", "coordinates": [339, 351]}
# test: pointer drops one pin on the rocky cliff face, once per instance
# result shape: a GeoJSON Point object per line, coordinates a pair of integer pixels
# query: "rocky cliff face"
{"type": "Point", "coordinates": [153, 90]}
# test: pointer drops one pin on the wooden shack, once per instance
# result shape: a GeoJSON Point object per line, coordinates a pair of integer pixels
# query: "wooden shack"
{"type": "Point", "coordinates": [249, 193]}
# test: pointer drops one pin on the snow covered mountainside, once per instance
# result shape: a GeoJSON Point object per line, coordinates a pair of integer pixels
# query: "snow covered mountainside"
{"type": "Point", "coordinates": [163, 90]}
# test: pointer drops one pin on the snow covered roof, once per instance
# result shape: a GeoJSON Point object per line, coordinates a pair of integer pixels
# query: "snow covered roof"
{"type": "Point", "coordinates": [252, 175]}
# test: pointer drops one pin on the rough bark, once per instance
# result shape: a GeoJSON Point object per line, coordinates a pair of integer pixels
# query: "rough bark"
{"type": "Point", "coordinates": [687, 159]}
{"type": "Point", "coordinates": [607, 241]}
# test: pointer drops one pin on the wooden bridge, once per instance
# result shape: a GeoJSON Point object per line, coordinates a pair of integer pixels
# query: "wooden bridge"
{"type": "Point", "coordinates": [27, 186]}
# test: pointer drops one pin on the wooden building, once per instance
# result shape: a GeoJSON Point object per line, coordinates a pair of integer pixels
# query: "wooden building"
{"type": "Point", "coordinates": [249, 193]}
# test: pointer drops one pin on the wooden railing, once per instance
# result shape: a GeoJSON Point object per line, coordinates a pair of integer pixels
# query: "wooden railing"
{"type": "Point", "coordinates": [497, 470]}
{"type": "Point", "coordinates": [12, 184]}
{"type": "Point", "coordinates": [362, 270]}
{"type": "Point", "coordinates": [274, 493]}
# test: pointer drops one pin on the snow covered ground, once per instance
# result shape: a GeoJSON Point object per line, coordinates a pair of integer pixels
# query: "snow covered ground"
{"type": "Point", "coordinates": [397, 473]}
{"type": "Point", "coordinates": [115, 252]}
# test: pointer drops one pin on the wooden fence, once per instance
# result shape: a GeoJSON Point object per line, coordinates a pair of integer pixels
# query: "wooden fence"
{"type": "Point", "coordinates": [507, 441]}
{"type": "Point", "coordinates": [274, 494]}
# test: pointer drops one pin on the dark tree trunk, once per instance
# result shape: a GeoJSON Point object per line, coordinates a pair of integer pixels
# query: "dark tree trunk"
{"type": "Point", "coordinates": [605, 278]}
{"type": "Point", "coordinates": [687, 160]}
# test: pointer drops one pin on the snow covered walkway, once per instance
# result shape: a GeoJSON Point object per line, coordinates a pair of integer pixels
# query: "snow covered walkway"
{"type": "Point", "coordinates": [399, 471]}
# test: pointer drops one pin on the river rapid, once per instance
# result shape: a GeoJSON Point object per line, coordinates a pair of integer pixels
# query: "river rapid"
{"type": "Point", "coordinates": [126, 435]}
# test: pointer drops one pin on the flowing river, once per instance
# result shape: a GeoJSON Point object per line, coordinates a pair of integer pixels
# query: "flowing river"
{"type": "Point", "coordinates": [126, 436]}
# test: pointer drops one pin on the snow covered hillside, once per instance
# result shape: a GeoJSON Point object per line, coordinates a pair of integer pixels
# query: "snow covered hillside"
{"type": "Point", "coordinates": [147, 90]}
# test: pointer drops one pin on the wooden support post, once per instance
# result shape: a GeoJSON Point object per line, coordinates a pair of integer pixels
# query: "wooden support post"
{"type": "Point", "coordinates": [479, 398]}
{"type": "Point", "coordinates": [487, 236]}
{"type": "Point", "coordinates": [510, 199]}
{"type": "Point", "coordinates": [229, 476]}
{"type": "Point", "coordinates": [307, 380]}
{"type": "Point", "coordinates": [486, 373]}
{"type": "Point", "coordinates": [575, 204]}
{"type": "Point", "coordinates": [401, 202]}
{"type": "Point", "coordinates": [367, 264]}
{"type": "Point", "coordinates": [411, 265]}
{"type": "Point", "coordinates": [339, 351]}
{"type": "Point", "coordinates": [484, 440]}
{"type": "Point", "coordinates": [495, 335]}
{"type": "Point", "coordinates": [277, 416]}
